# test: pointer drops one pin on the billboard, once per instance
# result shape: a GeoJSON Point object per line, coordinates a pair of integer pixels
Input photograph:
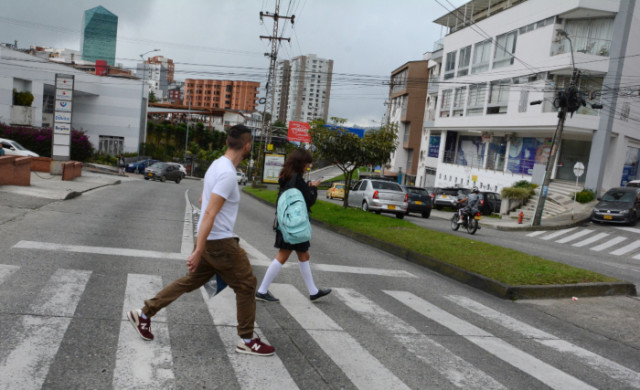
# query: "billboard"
{"type": "Point", "coordinates": [272, 166]}
{"type": "Point", "coordinates": [299, 131]}
{"type": "Point", "coordinates": [354, 130]}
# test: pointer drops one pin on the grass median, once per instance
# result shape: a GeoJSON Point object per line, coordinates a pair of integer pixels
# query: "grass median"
{"type": "Point", "coordinates": [505, 265]}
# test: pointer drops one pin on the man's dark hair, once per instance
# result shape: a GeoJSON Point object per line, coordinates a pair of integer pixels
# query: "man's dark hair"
{"type": "Point", "coordinates": [238, 136]}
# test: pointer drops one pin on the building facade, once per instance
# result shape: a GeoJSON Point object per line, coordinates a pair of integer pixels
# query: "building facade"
{"type": "Point", "coordinates": [227, 94]}
{"type": "Point", "coordinates": [99, 34]}
{"type": "Point", "coordinates": [158, 74]}
{"type": "Point", "coordinates": [483, 129]}
{"type": "Point", "coordinates": [303, 89]}
{"type": "Point", "coordinates": [407, 96]}
{"type": "Point", "coordinates": [108, 109]}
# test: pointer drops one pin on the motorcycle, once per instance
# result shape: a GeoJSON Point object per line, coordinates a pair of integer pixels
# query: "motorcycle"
{"type": "Point", "coordinates": [470, 221]}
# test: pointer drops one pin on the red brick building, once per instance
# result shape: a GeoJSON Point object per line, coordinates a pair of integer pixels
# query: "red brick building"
{"type": "Point", "coordinates": [228, 94]}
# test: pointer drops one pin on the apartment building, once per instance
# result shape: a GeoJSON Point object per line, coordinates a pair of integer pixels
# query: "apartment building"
{"type": "Point", "coordinates": [501, 56]}
{"type": "Point", "coordinates": [407, 96]}
{"type": "Point", "coordinates": [303, 89]}
{"type": "Point", "coordinates": [228, 94]}
{"type": "Point", "coordinates": [158, 73]}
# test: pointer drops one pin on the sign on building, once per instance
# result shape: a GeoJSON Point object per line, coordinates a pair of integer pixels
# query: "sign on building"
{"type": "Point", "coordinates": [61, 141]}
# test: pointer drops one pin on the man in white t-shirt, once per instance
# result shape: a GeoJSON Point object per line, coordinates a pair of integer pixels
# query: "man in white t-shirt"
{"type": "Point", "coordinates": [217, 250]}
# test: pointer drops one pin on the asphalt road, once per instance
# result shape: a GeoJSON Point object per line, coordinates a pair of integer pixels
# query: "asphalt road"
{"type": "Point", "coordinates": [69, 270]}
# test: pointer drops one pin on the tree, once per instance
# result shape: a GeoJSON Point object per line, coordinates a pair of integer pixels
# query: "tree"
{"type": "Point", "coordinates": [349, 152]}
{"type": "Point", "coordinates": [152, 97]}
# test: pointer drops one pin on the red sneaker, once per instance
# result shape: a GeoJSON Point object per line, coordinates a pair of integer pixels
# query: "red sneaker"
{"type": "Point", "coordinates": [142, 326]}
{"type": "Point", "coordinates": [255, 347]}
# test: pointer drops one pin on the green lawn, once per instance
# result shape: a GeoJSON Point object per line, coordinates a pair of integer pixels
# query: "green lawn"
{"type": "Point", "coordinates": [504, 265]}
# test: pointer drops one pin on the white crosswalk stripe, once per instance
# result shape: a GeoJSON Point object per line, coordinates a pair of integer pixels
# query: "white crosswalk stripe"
{"type": "Point", "coordinates": [538, 369]}
{"type": "Point", "coordinates": [456, 370]}
{"type": "Point", "coordinates": [574, 236]}
{"type": "Point", "coordinates": [140, 363]}
{"type": "Point", "coordinates": [611, 369]}
{"type": "Point", "coordinates": [608, 244]}
{"type": "Point", "coordinates": [591, 239]}
{"type": "Point", "coordinates": [41, 331]}
{"type": "Point", "coordinates": [558, 233]}
{"type": "Point", "coordinates": [263, 373]}
{"type": "Point", "coordinates": [363, 369]}
{"type": "Point", "coordinates": [627, 248]}
{"type": "Point", "coordinates": [536, 233]}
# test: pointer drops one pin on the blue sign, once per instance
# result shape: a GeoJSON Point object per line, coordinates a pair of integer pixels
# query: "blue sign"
{"type": "Point", "coordinates": [354, 130]}
{"type": "Point", "coordinates": [434, 145]}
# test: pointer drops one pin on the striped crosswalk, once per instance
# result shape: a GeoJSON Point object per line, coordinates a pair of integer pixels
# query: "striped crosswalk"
{"type": "Point", "coordinates": [612, 243]}
{"type": "Point", "coordinates": [391, 315]}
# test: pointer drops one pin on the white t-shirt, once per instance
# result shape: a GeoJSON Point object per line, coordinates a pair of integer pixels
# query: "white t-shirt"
{"type": "Point", "coordinates": [221, 180]}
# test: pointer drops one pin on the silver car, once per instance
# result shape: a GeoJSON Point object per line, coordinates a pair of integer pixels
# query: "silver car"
{"type": "Point", "coordinates": [380, 196]}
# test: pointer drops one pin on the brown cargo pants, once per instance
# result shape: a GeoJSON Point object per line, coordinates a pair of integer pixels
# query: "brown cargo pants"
{"type": "Point", "coordinates": [225, 258]}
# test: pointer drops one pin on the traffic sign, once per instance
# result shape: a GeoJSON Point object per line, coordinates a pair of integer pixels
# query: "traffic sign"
{"type": "Point", "coordinates": [578, 169]}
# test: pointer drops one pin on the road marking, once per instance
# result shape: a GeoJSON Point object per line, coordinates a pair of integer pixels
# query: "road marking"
{"type": "Point", "coordinates": [558, 233]}
{"type": "Point", "coordinates": [99, 250]}
{"type": "Point", "coordinates": [574, 236]}
{"type": "Point", "coordinates": [6, 271]}
{"type": "Point", "coordinates": [608, 244]}
{"type": "Point", "coordinates": [592, 239]}
{"type": "Point", "coordinates": [537, 233]}
{"type": "Point", "coordinates": [597, 362]}
{"type": "Point", "coordinates": [627, 248]}
{"type": "Point", "coordinates": [456, 370]}
{"type": "Point", "coordinates": [363, 369]}
{"type": "Point", "coordinates": [538, 369]}
{"type": "Point", "coordinates": [41, 332]}
{"type": "Point", "coordinates": [629, 229]}
{"type": "Point", "coordinates": [187, 230]}
{"type": "Point", "coordinates": [269, 373]}
{"type": "Point", "coordinates": [139, 363]}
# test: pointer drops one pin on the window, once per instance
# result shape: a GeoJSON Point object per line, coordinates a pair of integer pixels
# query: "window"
{"type": "Point", "coordinates": [498, 97]}
{"type": "Point", "coordinates": [477, 93]}
{"type": "Point", "coordinates": [458, 101]}
{"type": "Point", "coordinates": [524, 100]}
{"type": "Point", "coordinates": [590, 36]}
{"type": "Point", "coordinates": [450, 65]}
{"type": "Point", "coordinates": [446, 104]}
{"type": "Point", "coordinates": [505, 47]}
{"type": "Point", "coordinates": [463, 61]}
{"type": "Point", "coordinates": [481, 56]}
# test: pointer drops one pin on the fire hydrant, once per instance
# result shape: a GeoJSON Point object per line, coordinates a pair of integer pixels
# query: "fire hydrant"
{"type": "Point", "coordinates": [520, 217]}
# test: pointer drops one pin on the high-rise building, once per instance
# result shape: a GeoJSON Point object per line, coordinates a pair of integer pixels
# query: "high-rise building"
{"type": "Point", "coordinates": [302, 89]}
{"type": "Point", "coordinates": [99, 33]}
{"type": "Point", "coordinates": [234, 95]}
{"type": "Point", "coordinates": [158, 73]}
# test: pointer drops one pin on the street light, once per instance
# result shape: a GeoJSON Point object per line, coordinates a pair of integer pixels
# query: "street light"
{"type": "Point", "coordinates": [186, 141]}
{"type": "Point", "coordinates": [143, 122]}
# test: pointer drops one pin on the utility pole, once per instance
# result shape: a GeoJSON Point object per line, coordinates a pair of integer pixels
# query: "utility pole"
{"type": "Point", "coordinates": [273, 56]}
{"type": "Point", "coordinates": [568, 101]}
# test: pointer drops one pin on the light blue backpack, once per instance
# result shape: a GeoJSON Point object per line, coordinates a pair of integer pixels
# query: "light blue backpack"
{"type": "Point", "coordinates": [293, 219]}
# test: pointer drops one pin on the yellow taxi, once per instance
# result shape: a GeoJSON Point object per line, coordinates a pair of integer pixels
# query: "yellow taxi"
{"type": "Point", "coordinates": [335, 191]}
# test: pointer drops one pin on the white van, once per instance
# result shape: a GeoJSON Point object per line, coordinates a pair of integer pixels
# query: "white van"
{"type": "Point", "coordinates": [12, 148]}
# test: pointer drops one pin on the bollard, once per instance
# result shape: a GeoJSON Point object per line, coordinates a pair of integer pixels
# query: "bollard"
{"type": "Point", "coordinates": [520, 217]}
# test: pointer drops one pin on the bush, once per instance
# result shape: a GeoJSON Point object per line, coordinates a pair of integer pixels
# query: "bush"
{"type": "Point", "coordinates": [38, 140]}
{"type": "Point", "coordinates": [24, 98]}
{"type": "Point", "coordinates": [585, 196]}
{"type": "Point", "coordinates": [515, 193]}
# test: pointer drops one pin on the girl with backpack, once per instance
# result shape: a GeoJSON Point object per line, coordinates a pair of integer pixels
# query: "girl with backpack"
{"type": "Point", "coordinates": [291, 176]}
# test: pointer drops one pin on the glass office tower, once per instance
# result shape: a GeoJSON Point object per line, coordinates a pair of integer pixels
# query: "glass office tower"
{"type": "Point", "coordinates": [99, 33]}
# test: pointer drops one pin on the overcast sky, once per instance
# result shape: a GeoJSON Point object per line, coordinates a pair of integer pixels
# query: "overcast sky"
{"type": "Point", "coordinates": [219, 39]}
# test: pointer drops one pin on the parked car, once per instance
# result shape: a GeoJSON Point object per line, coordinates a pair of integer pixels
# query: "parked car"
{"type": "Point", "coordinates": [633, 183]}
{"type": "Point", "coordinates": [139, 166]}
{"type": "Point", "coordinates": [242, 178]}
{"type": "Point", "coordinates": [163, 171]}
{"type": "Point", "coordinates": [489, 203]}
{"type": "Point", "coordinates": [449, 197]}
{"type": "Point", "coordinates": [618, 205]}
{"type": "Point", "coordinates": [12, 148]}
{"type": "Point", "coordinates": [419, 201]}
{"type": "Point", "coordinates": [379, 196]}
{"type": "Point", "coordinates": [336, 191]}
{"type": "Point", "coordinates": [182, 169]}
{"type": "Point", "coordinates": [432, 192]}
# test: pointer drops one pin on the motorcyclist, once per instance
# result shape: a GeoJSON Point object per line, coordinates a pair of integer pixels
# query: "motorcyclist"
{"type": "Point", "coordinates": [473, 200]}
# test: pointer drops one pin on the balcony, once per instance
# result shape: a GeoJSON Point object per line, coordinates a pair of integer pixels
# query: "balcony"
{"type": "Point", "coordinates": [22, 115]}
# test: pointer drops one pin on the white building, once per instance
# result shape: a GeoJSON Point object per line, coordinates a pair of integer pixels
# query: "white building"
{"type": "Point", "coordinates": [498, 58]}
{"type": "Point", "coordinates": [302, 89]}
{"type": "Point", "coordinates": [108, 109]}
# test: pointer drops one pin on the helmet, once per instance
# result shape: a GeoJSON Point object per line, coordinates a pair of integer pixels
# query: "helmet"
{"type": "Point", "coordinates": [474, 189]}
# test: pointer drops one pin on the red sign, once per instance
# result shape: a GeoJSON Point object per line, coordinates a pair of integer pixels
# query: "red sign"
{"type": "Point", "coordinates": [299, 131]}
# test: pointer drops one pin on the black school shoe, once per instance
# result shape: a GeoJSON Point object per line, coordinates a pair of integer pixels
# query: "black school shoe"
{"type": "Point", "coordinates": [321, 293]}
{"type": "Point", "coordinates": [266, 297]}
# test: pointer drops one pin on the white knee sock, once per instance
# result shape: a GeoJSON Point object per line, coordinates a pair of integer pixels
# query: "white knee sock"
{"type": "Point", "coordinates": [305, 270]}
{"type": "Point", "coordinates": [271, 274]}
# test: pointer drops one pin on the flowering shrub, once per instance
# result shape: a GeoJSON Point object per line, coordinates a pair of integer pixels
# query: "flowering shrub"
{"type": "Point", "coordinates": [39, 140]}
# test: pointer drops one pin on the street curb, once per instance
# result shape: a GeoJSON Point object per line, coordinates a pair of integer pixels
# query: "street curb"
{"type": "Point", "coordinates": [536, 228]}
{"type": "Point", "coordinates": [480, 282]}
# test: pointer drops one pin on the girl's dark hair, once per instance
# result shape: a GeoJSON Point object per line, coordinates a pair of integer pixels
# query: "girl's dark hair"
{"type": "Point", "coordinates": [295, 163]}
